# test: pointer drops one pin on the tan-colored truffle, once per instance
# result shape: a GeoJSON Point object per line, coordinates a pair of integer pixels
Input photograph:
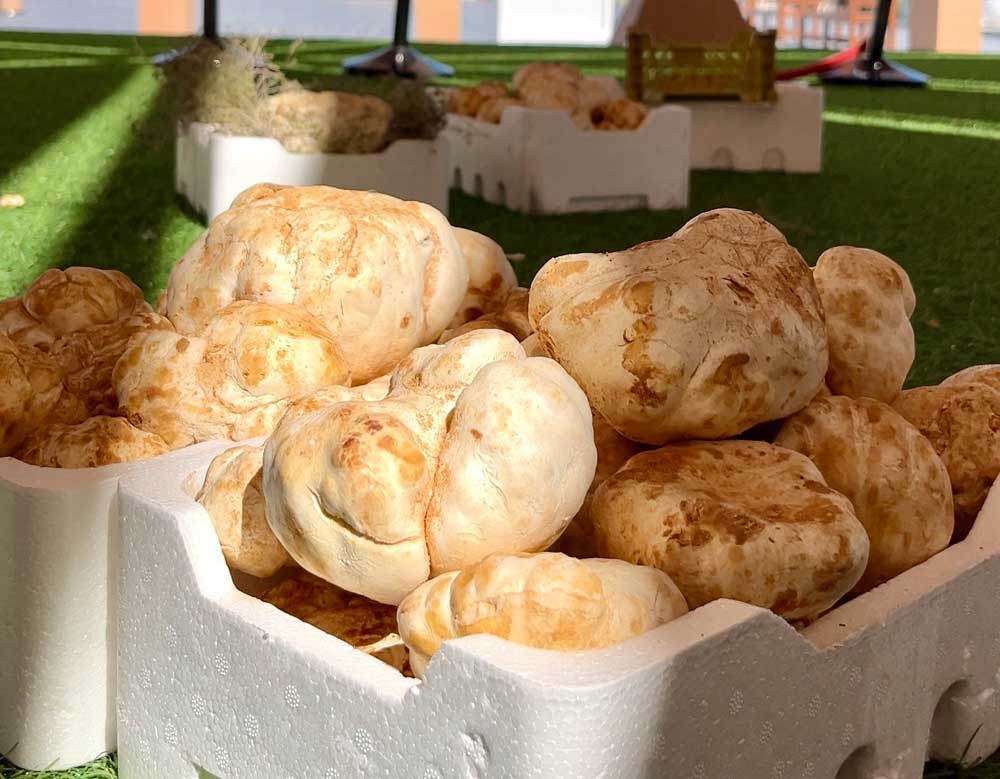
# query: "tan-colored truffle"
{"type": "Point", "coordinates": [491, 277]}
{"type": "Point", "coordinates": [475, 449]}
{"type": "Point", "coordinates": [512, 318]}
{"type": "Point", "coordinates": [701, 335]}
{"type": "Point", "coordinates": [468, 101]}
{"type": "Point", "coordinates": [961, 419]}
{"type": "Point", "coordinates": [358, 621]}
{"type": "Point", "coordinates": [891, 474]}
{"type": "Point", "coordinates": [233, 381]}
{"type": "Point", "coordinates": [613, 451]}
{"type": "Point", "coordinates": [96, 441]}
{"type": "Point", "coordinates": [329, 122]}
{"type": "Point", "coordinates": [868, 300]}
{"type": "Point", "coordinates": [734, 519]}
{"type": "Point", "coordinates": [622, 114]}
{"type": "Point", "coordinates": [31, 386]}
{"type": "Point", "coordinates": [546, 600]}
{"type": "Point", "coordinates": [492, 109]}
{"type": "Point", "coordinates": [383, 275]}
{"type": "Point", "coordinates": [233, 497]}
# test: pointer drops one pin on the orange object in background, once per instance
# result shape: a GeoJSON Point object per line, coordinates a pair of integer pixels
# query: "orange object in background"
{"type": "Point", "coordinates": [439, 21]}
{"type": "Point", "coordinates": [818, 23]}
{"type": "Point", "coordinates": [166, 17]}
{"type": "Point", "coordinates": [958, 29]}
{"type": "Point", "coordinates": [11, 7]}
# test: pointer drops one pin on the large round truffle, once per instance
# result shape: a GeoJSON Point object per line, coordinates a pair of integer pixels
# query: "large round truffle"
{"type": "Point", "coordinates": [734, 519]}
{"type": "Point", "coordinates": [546, 600]}
{"type": "Point", "coordinates": [701, 335]}
{"type": "Point", "coordinates": [383, 275]}
{"type": "Point", "coordinates": [961, 419]}
{"type": "Point", "coordinates": [476, 449]}
{"type": "Point", "coordinates": [891, 474]}
{"type": "Point", "coordinates": [868, 301]}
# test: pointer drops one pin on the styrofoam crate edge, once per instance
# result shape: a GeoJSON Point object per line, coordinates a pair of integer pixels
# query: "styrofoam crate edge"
{"type": "Point", "coordinates": [213, 168]}
{"type": "Point", "coordinates": [785, 136]}
{"type": "Point", "coordinates": [727, 684]}
{"type": "Point", "coordinates": [537, 161]}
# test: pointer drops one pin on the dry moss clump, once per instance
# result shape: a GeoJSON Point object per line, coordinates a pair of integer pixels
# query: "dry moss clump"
{"type": "Point", "coordinates": [236, 86]}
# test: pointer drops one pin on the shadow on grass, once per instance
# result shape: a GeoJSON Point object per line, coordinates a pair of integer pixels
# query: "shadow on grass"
{"type": "Point", "coordinates": [40, 102]}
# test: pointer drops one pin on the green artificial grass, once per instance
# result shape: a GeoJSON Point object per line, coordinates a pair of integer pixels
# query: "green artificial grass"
{"type": "Point", "coordinates": [105, 768]}
{"type": "Point", "coordinates": [88, 141]}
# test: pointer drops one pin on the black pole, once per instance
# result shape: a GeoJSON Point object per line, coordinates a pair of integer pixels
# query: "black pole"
{"type": "Point", "coordinates": [400, 58]}
{"type": "Point", "coordinates": [871, 68]}
{"type": "Point", "coordinates": [401, 36]}
{"type": "Point", "coordinates": [210, 19]}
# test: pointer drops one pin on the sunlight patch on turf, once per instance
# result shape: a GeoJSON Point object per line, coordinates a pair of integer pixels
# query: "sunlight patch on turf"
{"type": "Point", "coordinates": [98, 137]}
{"type": "Point", "coordinates": [965, 85]}
{"type": "Point", "coordinates": [67, 62]}
{"type": "Point", "coordinates": [62, 48]}
{"type": "Point", "coordinates": [916, 123]}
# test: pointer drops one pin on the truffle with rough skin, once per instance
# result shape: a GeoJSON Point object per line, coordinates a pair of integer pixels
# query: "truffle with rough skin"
{"type": "Point", "coordinates": [383, 275]}
{"type": "Point", "coordinates": [491, 277]}
{"type": "Point", "coordinates": [233, 497]}
{"type": "Point", "coordinates": [511, 318]}
{"type": "Point", "coordinates": [868, 301]}
{"type": "Point", "coordinates": [329, 122]}
{"type": "Point", "coordinates": [233, 381]}
{"type": "Point", "coordinates": [92, 443]}
{"type": "Point", "coordinates": [468, 101]}
{"type": "Point", "coordinates": [475, 449]}
{"type": "Point", "coordinates": [891, 474]}
{"type": "Point", "coordinates": [360, 622]}
{"type": "Point", "coordinates": [622, 114]}
{"type": "Point", "coordinates": [734, 519]}
{"type": "Point", "coordinates": [546, 600]}
{"type": "Point", "coordinates": [699, 336]}
{"type": "Point", "coordinates": [31, 389]}
{"type": "Point", "coordinates": [961, 419]}
{"type": "Point", "coordinates": [492, 110]}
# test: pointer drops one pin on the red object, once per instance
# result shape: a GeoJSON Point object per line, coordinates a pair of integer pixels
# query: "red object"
{"type": "Point", "coordinates": [832, 62]}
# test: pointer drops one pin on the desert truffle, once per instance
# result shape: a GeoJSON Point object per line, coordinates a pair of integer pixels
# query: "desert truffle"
{"type": "Point", "coordinates": [97, 441]}
{"type": "Point", "coordinates": [476, 449]}
{"type": "Point", "coordinates": [701, 335]}
{"type": "Point", "coordinates": [546, 600]}
{"type": "Point", "coordinates": [868, 300]}
{"type": "Point", "coordinates": [734, 519]}
{"type": "Point", "coordinates": [891, 474]}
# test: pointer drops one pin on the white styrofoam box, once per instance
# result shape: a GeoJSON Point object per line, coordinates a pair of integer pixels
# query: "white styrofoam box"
{"type": "Point", "coordinates": [213, 168]}
{"type": "Point", "coordinates": [786, 135]}
{"type": "Point", "coordinates": [580, 22]}
{"type": "Point", "coordinates": [215, 683]}
{"type": "Point", "coordinates": [537, 161]}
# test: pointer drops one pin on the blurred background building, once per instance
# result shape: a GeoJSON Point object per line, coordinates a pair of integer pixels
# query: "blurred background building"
{"type": "Point", "coordinates": [943, 25]}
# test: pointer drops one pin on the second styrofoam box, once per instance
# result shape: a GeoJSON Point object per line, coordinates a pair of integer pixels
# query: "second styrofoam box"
{"type": "Point", "coordinates": [215, 682]}
{"type": "Point", "coordinates": [785, 136]}
{"type": "Point", "coordinates": [213, 168]}
{"type": "Point", "coordinates": [538, 161]}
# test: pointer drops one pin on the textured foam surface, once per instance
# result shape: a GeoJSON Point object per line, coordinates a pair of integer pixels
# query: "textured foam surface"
{"type": "Point", "coordinates": [537, 161]}
{"type": "Point", "coordinates": [212, 168]}
{"type": "Point", "coordinates": [783, 136]}
{"type": "Point", "coordinates": [212, 680]}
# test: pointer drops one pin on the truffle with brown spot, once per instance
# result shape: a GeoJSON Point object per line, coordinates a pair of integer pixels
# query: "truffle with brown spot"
{"type": "Point", "coordinates": [743, 520]}
{"type": "Point", "coordinates": [234, 380]}
{"type": "Point", "coordinates": [961, 419]}
{"type": "Point", "coordinates": [546, 600]}
{"type": "Point", "coordinates": [511, 318]}
{"type": "Point", "coordinates": [364, 624]}
{"type": "Point", "coordinates": [31, 388]}
{"type": "Point", "coordinates": [382, 275]}
{"type": "Point", "coordinates": [475, 449]}
{"type": "Point", "coordinates": [701, 335]}
{"type": "Point", "coordinates": [233, 498]}
{"type": "Point", "coordinates": [97, 441]}
{"type": "Point", "coordinates": [868, 300]}
{"type": "Point", "coordinates": [891, 474]}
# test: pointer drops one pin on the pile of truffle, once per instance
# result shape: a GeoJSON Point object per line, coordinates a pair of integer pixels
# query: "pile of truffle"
{"type": "Point", "coordinates": [591, 102]}
{"type": "Point", "coordinates": [569, 466]}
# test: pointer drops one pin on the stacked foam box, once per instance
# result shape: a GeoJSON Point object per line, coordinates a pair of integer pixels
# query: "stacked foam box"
{"type": "Point", "coordinates": [785, 136]}
{"type": "Point", "coordinates": [537, 161]}
{"type": "Point", "coordinates": [217, 683]}
{"type": "Point", "coordinates": [213, 168]}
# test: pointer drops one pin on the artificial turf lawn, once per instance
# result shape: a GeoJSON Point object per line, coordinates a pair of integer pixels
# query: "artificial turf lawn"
{"type": "Point", "coordinates": [87, 139]}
